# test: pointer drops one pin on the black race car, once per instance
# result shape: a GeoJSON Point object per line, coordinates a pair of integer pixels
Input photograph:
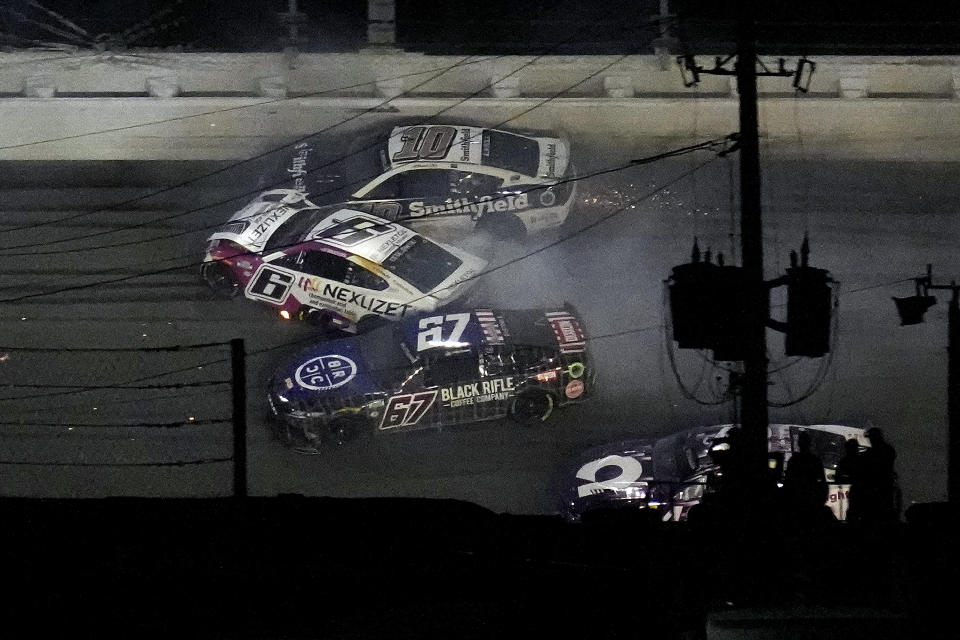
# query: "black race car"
{"type": "Point", "coordinates": [432, 370]}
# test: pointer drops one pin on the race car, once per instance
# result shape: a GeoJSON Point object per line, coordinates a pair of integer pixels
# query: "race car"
{"type": "Point", "coordinates": [433, 370]}
{"type": "Point", "coordinates": [671, 474]}
{"type": "Point", "coordinates": [446, 180]}
{"type": "Point", "coordinates": [336, 267]}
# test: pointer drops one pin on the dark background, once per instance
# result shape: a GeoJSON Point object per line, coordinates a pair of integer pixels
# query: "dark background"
{"type": "Point", "coordinates": [498, 26]}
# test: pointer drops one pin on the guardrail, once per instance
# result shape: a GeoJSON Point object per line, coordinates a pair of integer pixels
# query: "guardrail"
{"type": "Point", "coordinates": [143, 105]}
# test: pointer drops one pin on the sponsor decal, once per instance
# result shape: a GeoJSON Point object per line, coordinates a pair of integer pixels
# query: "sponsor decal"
{"type": "Point", "coordinates": [350, 297]}
{"type": "Point", "coordinates": [552, 159]}
{"type": "Point", "coordinates": [463, 206]}
{"type": "Point", "coordinates": [574, 389]}
{"type": "Point", "coordinates": [548, 198]}
{"type": "Point", "coordinates": [465, 145]}
{"type": "Point", "coordinates": [406, 409]}
{"type": "Point", "coordinates": [631, 470]}
{"type": "Point", "coordinates": [576, 369]}
{"type": "Point", "coordinates": [297, 169]}
{"type": "Point", "coordinates": [325, 372]}
{"type": "Point", "coordinates": [477, 392]}
{"type": "Point", "coordinates": [547, 376]}
{"type": "Point", "coordinates": [569, 335]}
{"type": "Point", "coordinates": [268, 221]}
{"type": "Point", "coordinates": [492, 331]}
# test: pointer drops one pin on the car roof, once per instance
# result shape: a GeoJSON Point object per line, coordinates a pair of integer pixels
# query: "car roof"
{"type": "Point", "coordinates": [550, 328]}
{"type": "Point", "coordinates": [339, 230]}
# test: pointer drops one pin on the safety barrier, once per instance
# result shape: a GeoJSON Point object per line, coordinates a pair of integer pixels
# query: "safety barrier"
{"type": "Point", "coordinates": [228, 106]}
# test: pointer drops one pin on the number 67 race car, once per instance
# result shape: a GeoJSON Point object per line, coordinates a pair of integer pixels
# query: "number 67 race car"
{"type": "Point", "coordinates": [431, 371]}
{"type": "Point", "coordinates": [333, 266]}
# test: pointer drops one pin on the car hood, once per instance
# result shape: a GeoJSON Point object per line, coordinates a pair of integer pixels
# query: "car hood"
{"type": "Point", "coordinates": [252, 226]}
{"type": "Point", "coordinates": [618, 472]}
{"type": "Point", "coordinates": [331, 370]}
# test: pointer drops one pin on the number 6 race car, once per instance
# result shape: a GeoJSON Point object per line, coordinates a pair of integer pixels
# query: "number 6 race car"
{"type": "Point", "coordinates": [333, 266]}
{"type": "Point", "coordinates": [430, 371]}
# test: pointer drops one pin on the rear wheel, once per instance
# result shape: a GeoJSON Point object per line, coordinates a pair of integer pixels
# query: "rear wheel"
{"type": "Point", "coordinates": [221, 279]}
{"type": "Point", "coordinates": [503, 226]}
{"type": "Point", "coordinates": [532, 407]}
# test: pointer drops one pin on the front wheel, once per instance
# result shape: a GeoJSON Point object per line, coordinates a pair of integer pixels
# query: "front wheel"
{"type": "Point", "coordinates": [221, 279]}
{"type": "Point", "coordinates": [532, 407]}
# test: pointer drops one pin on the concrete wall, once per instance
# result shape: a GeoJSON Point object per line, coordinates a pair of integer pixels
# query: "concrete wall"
{"type": "Point", "coordinates": [228, 106]}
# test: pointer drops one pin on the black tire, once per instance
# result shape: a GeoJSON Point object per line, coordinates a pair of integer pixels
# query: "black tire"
{"type": "Point", "coordinates": [503, 226]}
{"type": "Point", "coordinates": [221, 279]}
{"type": "Point", "coordinates": [315, 317]}
{"type": "Point", "coordinates": [345, 429]}
{"type": "Point", "coordinates": [369, 323]}
{"type": "Point", "coordinates": [532, 407]}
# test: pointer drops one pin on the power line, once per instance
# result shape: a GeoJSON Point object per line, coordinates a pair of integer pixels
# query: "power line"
{"type": "Point", "coordinates": [293, 143]}
{"type": "Point", "coordinates": [179, 347]}
{"type": "Point", "coordinates": [173, 463]}
{"type": "Point", "coordinates": [117, 425]}
{"type": "Point", "coordinates": [180, 267]}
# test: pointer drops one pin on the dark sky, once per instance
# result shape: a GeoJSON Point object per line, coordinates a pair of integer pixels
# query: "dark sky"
{"type": "Point", "coordinates": [496, 26]}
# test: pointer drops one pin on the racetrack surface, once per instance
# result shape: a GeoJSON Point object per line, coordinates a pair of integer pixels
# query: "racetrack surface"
{"type": "Point", "coordinates": [872, 224]}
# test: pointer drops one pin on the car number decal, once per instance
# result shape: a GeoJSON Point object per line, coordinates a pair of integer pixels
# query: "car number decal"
{"type": "Point", "coordinates": [432, 330]}
{"type": "Point", "coordinates": [270, 284]}
{"type": "Point", "coordinates": [631, 470]}
{"type": "Point", "coordinates": [353, 231]}
{"type": "Point", "coordinates": [407, 409]}
{"type": "Point", "coordinates": [425, 143]}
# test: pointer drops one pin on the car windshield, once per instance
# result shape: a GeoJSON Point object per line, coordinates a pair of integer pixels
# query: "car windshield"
{"type": "Point", "coordinates": [387, 355]}
{"type": "Point", "coordinates": [507, 151]}
{"type": "Point", "coordinates": [422, 263]}
{"type": "Point", "coordinates": [293, 230]}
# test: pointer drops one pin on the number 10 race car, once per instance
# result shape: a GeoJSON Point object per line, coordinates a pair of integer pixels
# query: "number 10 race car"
{"type": "Point", "coordinates": [430, 371]}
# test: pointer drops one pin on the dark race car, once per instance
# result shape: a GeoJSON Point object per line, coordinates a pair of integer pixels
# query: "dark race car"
{"type": "Point", "coordinates": [671, 474]}
{"type": "Point", "coordinates": [430, 371]}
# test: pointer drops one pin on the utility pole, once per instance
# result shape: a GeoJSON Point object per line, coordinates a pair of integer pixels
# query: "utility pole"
{"type": "Point", "coordinates": [756, 302]}
{"type": "Point", "coordinates": [239, 384]}
{"type": "Point", "coordinates": [911, 310]}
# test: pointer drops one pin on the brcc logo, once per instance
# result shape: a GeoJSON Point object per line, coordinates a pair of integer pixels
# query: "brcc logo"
{"type": "Point", "coordinates": [326, 372]}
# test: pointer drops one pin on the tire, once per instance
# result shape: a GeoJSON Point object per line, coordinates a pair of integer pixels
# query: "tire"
{"type": "Point", "coordinates": [221, 279]}
{"type": "Point", "coordinates": [532, 407]}
{"type": "Point", "coordinates": [369, 323]}
{"type": "Point", "coordinates": [315, 317]}
{"type": "Point", "coordinates": [345, 429]}
{"type": "Point", "coordinates": [503, 226]}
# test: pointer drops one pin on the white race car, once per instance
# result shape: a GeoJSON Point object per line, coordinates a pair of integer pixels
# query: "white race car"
{"type": "Point", "coordinates": [334, 266]}
{"type": "Point", "coordinates": [446, 180]}
{"type": "Point", "coordinates": [671, 473]}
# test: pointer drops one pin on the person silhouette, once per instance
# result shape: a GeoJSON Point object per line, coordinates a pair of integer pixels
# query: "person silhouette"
{"type": "Point", "coordinates": [805, 481]}
{"type": "Point", "coordinates": [848, 468]}
{"type": "Point", "coordinates": [875, 485]}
